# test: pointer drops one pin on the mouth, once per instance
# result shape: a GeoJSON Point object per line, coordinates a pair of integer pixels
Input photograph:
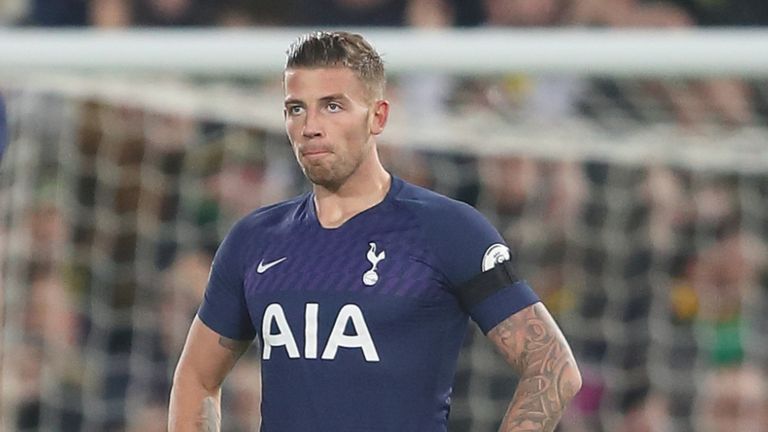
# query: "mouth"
{"type": "Point", "coordinates": [314, 153]}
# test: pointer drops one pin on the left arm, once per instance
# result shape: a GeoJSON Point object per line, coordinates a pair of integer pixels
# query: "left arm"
{"type": "Point", "coordinates": [533, 344]}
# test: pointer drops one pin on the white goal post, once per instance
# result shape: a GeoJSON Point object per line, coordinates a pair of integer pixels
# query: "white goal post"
{"type": "Point", "coordinates": [648, 52]}
{"type": "Point", "coordinates": [143, 66]}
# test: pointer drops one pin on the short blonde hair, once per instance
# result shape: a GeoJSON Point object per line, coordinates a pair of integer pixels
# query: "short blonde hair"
{"type": "Point", "coordinates": [334, 49]}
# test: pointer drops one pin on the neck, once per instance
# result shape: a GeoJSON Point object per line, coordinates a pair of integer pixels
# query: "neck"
{"type": "Point", "coordinates": [365, 188]}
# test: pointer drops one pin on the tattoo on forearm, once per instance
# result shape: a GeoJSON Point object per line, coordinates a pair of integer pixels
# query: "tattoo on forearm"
{"type": "Point", "coordinates": [546, 365]}
{"type": "Point", "coordinates": [210, 419]}
{"type": "Point", "coordinates": [235, 346]}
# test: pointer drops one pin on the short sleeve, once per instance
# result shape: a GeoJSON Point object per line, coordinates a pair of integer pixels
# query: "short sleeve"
{"type": "Point", "coordinates": [224, 309]}
{"type": "Point", "coordinates": [466, 245]}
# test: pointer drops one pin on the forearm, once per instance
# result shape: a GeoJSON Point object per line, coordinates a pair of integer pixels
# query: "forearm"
{"type": "Point", "coordinates": [541, 398]}
{"type": "Point", "coordinates": [549, 378]}
{"type": "Point", "coordinates": [207, 358]}
{"type": "Point", "coordinates": [193, 408]}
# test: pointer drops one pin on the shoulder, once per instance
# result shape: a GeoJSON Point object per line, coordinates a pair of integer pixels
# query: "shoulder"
{"type": "Point", "coordinates": [270, 217]}
{"type": "Point", "coordinates": [440, 215]}
{"type": "Point", "coordinates": [460, 237]}
{"type": "Point", "coordinates": [256, 227]}
{"type": "Point", "coordinates": [436, 208]}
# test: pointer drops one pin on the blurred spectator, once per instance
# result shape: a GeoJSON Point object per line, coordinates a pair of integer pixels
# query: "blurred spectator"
{"type": "Point", "coordinates": [110, 13]}
{"type": "Point", "coordinates": [523, 13]}
{"type": "Point", "coordinates": [46, 230]}
{"type": "Point", "coordinates": [726, 12]}
{"type": "Point", "coordinates": [429, 14]}
{"type": "Point", "coordinates": [49, 344]}
{"type": "Point", "coordinates": [24, 363]}
{"type": "Point", "coordinates": [625, 13]}
{"type": "Point", "coordinates": [692, 102]}
{"type": "Point", "coordinates": [150, 418]}
{"type": "Point", "coordinates": [514, 183]}
{"type": "Point", "coordinates": [425, 97]}
{"type": "Point", "coordinates": [12, 12]}
{"type": "Point", "coordinates": [725, 273]}
{"type": "Point", "coordinates": [583, 415]}
{"type": "Point", "coordinates": [250, 178]}
{"type": "Point", "coordinates": [353, 12]}
{"type": "Point", "coordinates": [467, 13]}
{"type": "Point", "coordinates": [664, 192]}
{"type": "Point", "coordinates": [732, 398]}
{"type": "Point", "coordinates": [154, 13]}
{"type": "Point", "coordinates": [516, 188]}
{"type": "Point", "coordinates": [239, 187]}
{"type": "Point", "coordinates": [724, 277]}
{"type": "Point", "coordinates": [150, 13]}
{"type": "Point", "coordinates": [229, 13]}
{"type": "Point", "coordinates": [184, 285]}
{"type": "Point", "coordinates": [50, 315]}
{"type": "Point", "coordinates": [243, 393]}
{"type": "Point", "coordinates": [510, 182]}
{"type": "Point", "coordinates": [58, 13]}
{"type": "Point", "coordinates": [239, 13]}
{"type": "Point", "coordinates": [185, 13]}
{"type": "Point", "coordinates": [545, 99]}
{"type": "Point", "coordinates": [410, 164]}
{"type": "Point", "coordinates": [649, 415]}
{"type": "Point", "coordinates": [120, 13]}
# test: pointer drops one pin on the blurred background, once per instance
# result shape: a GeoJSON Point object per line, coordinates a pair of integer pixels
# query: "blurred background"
{"type": "Point", "coordinates": [635, 201]}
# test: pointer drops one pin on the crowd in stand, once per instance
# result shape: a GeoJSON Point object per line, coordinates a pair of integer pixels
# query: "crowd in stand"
{"type": "Point", "coordinates": [618, 13]}
{"type": "Point", "coordinates": [602, 244]}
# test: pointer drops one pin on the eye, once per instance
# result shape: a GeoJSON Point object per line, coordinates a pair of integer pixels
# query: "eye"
{"type": "Point", "coordinates": [334, 107]}
{"type": "Point", "coordinates": [294, 110]}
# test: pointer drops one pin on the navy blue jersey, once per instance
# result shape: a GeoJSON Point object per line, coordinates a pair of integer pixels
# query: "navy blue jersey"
{"type": "Point", "coordinates": [360, 326]}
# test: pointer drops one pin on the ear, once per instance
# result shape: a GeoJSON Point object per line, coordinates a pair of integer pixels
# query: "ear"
{"type": "Point", "coordinates": [380, 115]}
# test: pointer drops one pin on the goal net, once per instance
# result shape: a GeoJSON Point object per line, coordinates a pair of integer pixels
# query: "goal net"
{"type": "Point", "coordinates": [629, 171]}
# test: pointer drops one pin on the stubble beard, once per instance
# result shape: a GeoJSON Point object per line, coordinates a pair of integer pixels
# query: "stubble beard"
{"type": "Point", "coordinates": [331, 176]}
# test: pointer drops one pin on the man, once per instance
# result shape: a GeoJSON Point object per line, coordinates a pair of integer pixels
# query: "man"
{"type": "Point", "coordinates": [359, 292]}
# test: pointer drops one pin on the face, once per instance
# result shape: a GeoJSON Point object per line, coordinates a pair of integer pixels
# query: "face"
{"type": "Point", "coordinates": [330, 121]}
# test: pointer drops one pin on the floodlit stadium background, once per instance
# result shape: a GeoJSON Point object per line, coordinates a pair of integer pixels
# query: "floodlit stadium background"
{"type": "Point", "coordinates": [621, 147]}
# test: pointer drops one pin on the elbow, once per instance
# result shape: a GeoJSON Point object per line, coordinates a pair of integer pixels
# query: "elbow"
{"type": "Point", "coordinates": [182, 375]}
{"type": "Point", "coordinates": [571, 380]}
{"type": "Point", "coordinates": [186, 378]}
{"type": "Point", "coordinates": [182, 382]}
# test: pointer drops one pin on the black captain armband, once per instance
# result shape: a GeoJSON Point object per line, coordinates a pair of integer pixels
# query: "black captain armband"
{"type": "Point", "coordinates": [474, 291]}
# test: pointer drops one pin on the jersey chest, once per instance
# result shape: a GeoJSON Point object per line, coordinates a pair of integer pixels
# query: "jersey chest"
{"type": "Point", "coordinates": [319, 296]}
{"type": "Point", "coordinates": [390, 261]}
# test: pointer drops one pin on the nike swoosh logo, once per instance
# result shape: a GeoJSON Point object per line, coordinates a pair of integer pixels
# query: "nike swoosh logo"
{"type": "Point", "coordinates": [266, 266]}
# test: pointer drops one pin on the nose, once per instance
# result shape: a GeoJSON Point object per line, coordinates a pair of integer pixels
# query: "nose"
{"type": "Point", "coordinates": [312, 127]}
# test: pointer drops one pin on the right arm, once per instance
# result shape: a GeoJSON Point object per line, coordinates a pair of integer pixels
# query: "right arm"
{"type": "Point", "coordinates": [205, 361]}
